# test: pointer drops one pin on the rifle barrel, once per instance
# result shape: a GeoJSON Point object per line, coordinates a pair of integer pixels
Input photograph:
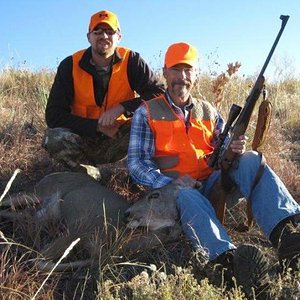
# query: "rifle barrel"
{"type": "Point", "coordinates": [283, 23]}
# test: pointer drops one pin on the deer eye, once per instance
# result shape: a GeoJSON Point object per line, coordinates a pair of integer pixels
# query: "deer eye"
{"type": "Point", "coordinates": [154, 195]}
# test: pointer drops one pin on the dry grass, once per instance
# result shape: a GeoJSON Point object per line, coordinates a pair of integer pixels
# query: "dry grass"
{"type": "Point", "coordinates": [172, 272]}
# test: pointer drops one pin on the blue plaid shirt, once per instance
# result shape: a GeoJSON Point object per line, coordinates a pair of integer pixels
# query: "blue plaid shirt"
{"type": "Point", "coordinates": [141, 148]}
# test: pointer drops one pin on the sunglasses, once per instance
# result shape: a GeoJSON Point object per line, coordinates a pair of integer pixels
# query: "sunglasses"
{"type": "Point", "coordinates": [100, 31]}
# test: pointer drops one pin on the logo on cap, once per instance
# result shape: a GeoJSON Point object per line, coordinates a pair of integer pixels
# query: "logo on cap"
{"type": "Point", "coordinates": [106, 17]}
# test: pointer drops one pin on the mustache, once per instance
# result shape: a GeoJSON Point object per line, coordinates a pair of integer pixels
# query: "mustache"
{"type": "Point", "coordinates": [181, 81]}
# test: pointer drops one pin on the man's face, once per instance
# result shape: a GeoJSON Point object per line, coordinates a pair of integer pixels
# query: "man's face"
{"type": "Point", "coordinates": [104, 40]}
{"type": "Point", "coordinates": [180, 80]}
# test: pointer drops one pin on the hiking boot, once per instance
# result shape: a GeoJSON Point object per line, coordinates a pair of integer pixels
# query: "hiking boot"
{"type": "Point", "coordinates": [286, 239]}
{"type": "Point", "coordinates": [251, 272]}
{"type": "Point", "coordinates": [289, 247]}
{"type": "Point", "coordinates": [220, 270]}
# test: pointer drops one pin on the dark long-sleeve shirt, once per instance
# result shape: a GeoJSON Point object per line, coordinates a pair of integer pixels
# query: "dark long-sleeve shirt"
{"type": "Point", "coordinates": [58, 109]}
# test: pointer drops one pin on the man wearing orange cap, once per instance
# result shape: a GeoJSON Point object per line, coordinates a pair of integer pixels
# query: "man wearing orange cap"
{"type": "Point", "coordinates": [171, 137]}
{"type": "Point", "coordinates": [94, 95]}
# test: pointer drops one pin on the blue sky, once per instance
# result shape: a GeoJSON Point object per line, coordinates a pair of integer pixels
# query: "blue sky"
{"type": "Point", "coordinates": [39, 33]}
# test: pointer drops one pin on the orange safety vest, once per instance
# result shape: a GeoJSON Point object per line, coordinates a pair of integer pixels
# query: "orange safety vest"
{"type": "Point", "coordinates": [84, 104]}
{"type": "Point", "coordinates": [179, 151]}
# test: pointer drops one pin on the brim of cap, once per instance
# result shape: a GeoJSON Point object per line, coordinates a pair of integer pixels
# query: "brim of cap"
{"type": "Point", "coordinates": [105, 22]}
{"type": "Point", "coordinates": [187, 62]}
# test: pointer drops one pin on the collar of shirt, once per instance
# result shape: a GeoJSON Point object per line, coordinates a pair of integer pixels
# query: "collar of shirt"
{"type": "Point", "coordinates": [178, 110]}
{"type": "Point", "coordinates": [85, 62]}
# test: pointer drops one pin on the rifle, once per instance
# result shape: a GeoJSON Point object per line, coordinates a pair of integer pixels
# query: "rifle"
{"type": "Point", "coordinates": [222, 156]}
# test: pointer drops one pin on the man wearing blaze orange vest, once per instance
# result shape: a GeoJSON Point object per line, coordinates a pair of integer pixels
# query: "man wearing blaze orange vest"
{"type": "Point", "coordinates": [93, 96]}
{"type": "Point", "coordinates": [171, 138]}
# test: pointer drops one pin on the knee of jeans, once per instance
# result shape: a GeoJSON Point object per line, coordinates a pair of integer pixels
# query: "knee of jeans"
{"type": "Point", "coordinates": [250, 159]}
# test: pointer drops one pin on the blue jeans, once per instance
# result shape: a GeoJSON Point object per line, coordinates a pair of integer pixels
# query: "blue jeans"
{"type": "Point", "coordinates": [270, 201]}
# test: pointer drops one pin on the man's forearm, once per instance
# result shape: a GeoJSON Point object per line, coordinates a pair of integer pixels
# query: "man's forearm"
{"type": "Point", "coordinates": [147, 176]}
{"type": "Point", "coordinates": [131, 105]}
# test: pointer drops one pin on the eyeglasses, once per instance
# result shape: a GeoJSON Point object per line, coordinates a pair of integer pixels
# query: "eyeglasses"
{"type": "Point", "coordinates": [100, 31]}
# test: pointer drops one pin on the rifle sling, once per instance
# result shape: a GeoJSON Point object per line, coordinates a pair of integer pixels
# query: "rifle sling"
{"type": "Point", "coordinates": [259, 172]}
{"type": "Point", "coordinates": [257, 178]}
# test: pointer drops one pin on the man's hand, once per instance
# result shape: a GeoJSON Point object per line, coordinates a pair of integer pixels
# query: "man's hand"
{"type": "Point", "coordinates": [239, 146]}
{"type": "Point", "coordinates": [109, 117]}
{"type": "Point", "coordinates": [187, 181]}
{"type": "Point", "coordinates": [107, 123]}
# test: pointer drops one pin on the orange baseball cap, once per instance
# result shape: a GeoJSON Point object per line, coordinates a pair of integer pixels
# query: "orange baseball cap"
{"type": "Point", "coordinates": [181, 53]}
{"type": "Point", "coordinates": [106, 17]}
